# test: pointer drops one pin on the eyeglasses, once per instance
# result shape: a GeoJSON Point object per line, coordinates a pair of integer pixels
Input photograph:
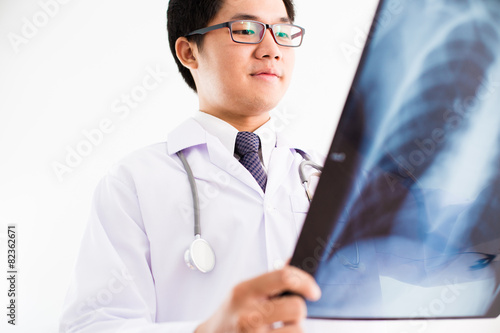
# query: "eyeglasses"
{"type": "Point", "coordinates": [252, 32]}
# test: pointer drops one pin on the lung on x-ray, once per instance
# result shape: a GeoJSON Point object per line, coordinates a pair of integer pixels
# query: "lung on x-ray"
{"type": "Point", "coordinates": [405, 221]}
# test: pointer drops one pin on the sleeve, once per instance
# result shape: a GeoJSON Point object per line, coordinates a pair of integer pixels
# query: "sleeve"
{"type": "Point", "coordinates": [113, 289]}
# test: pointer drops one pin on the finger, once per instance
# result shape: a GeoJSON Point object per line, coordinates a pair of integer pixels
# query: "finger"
{"type": "Point", "coordinates": [289, 310]}
{"type": "Point", "coordinates": [289, 278]}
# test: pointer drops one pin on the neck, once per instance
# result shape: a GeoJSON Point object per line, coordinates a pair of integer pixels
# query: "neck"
{"type": "Point", "coordinates": [242, 123]}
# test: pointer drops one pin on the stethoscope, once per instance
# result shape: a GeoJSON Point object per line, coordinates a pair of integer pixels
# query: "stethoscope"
{"type": "Point", "coordinates": [200, 255]}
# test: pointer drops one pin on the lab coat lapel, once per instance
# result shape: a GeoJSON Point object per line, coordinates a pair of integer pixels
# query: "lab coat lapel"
{"type": "Point", "coordinates": [188, 135]}
{"type": "Point", "coordinates": [223, 159]}
{"type": "Point", "coordinates": [279, 168]}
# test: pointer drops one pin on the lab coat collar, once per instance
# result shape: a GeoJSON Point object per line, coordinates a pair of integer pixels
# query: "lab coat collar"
{"type": "Point", "coordinates": [227, 134]}
{"type": "Point", "coordinates": [191, 133]}
{"type": "Point", "coordinates": [219, 128]}
{"type": "Point", "coordinates": [188, 134]}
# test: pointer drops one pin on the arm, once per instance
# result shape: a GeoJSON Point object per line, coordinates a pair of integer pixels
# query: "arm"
{"type": "Point", "coordinates": [113, 288]}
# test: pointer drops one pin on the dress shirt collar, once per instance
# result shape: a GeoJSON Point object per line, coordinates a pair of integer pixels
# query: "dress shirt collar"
{"type": "Point", "coordinates": [227, 134]}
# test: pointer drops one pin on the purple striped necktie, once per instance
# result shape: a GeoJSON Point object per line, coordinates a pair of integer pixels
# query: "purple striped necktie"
{"type": "Point", "coordinates": [247, 147]}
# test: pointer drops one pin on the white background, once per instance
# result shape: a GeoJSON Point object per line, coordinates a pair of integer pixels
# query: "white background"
{"type": "Point", "coordinates": [64, 76]}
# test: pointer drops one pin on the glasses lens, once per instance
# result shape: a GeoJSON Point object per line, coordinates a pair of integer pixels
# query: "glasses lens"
{"type": "Point", "coordinates": [288, 35]}
{"type": "Point", "coordinates": [247, 31]}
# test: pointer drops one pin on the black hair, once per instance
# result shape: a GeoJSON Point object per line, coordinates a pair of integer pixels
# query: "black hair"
{"type": "Point", "coordinates": [185, 16]}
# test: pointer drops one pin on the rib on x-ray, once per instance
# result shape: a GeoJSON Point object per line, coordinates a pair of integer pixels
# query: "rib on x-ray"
{"type": "Point", "coordinates": [417, 233]}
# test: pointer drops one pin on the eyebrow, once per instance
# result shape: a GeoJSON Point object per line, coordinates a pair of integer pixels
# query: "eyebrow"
{"type": "Point", "coordinates": [255, 18]}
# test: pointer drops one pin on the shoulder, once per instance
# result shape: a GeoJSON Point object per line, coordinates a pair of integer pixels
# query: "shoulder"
{"type": "Point", "coordinates": [161, 157]}
{"type": "Point", "coordinates": [144, 156]}
{"type": "Point", "coordinates": [143, 165]}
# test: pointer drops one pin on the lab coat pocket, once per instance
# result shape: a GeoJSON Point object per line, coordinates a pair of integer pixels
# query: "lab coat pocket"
{"type": "Point", "coordinates": [300, 207]}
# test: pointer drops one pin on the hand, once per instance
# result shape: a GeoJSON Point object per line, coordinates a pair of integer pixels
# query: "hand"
{"type": "Point", "coordinates": [253, 305]}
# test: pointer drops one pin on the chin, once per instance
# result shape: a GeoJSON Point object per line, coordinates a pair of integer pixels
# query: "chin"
{"type": "Point", "coordinates": [260, 105]}
{"type": "Point", "coordinates": [268, 98]}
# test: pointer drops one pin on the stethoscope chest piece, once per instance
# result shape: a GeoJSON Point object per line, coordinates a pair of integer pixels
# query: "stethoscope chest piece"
{"type": "Point", "coordinates": [200, 256]}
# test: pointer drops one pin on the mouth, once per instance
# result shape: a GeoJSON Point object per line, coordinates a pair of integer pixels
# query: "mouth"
{"type": "Point", "coordinates": [267, 74]}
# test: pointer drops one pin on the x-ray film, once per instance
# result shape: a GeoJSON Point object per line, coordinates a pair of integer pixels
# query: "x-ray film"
{"type": "Point", "coordinates": [405, 221]}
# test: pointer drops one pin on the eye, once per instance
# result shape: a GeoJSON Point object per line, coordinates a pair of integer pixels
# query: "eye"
{"type": "Point", "coordinates": [246, 32]}
{"type": "Point", "coordinates": [283, 35]}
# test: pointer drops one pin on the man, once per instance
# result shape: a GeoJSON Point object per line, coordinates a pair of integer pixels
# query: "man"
{"type": "Point", "coordinates": [131, 275]}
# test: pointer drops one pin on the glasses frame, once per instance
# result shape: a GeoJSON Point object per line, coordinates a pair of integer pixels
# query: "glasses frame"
{"type": "Point", "coordinates": [228, 25]}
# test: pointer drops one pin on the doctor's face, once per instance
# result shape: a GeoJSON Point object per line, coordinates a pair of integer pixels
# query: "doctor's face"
{"type": "Point", "coordinates": [242, 80]}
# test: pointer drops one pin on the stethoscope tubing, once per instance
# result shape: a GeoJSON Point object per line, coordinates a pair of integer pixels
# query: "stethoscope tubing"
{"type": "Point", "coordinates": [193, 258]}
{"type": "Point", "coordinates": [194, 192]}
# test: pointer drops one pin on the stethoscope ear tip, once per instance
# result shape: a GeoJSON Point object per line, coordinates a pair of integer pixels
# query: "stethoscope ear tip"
{"type": "Point", "coordinates": [200, 256]}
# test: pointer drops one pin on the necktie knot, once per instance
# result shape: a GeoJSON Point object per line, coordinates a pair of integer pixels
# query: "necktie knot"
{"type": "Point", "coordinates": [247, 142]}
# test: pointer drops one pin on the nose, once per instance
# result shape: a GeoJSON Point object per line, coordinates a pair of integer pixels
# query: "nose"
{"type": "Point", "coordinates": [268, 47]}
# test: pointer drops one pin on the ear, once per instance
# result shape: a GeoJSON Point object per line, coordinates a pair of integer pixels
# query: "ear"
{"type": "Point", "coordinates": [186, 52]}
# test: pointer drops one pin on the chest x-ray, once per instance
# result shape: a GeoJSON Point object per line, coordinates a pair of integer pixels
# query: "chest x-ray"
{"type": "Point", "coordinates": [405, 222]}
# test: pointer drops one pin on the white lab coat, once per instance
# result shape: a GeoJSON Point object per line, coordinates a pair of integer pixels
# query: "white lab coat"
{"type": "Point", "coordinates": [130, 274]}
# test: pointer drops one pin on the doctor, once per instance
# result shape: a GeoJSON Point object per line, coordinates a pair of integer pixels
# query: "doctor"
{"type": "Point", "coordinates": [131, 274]}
